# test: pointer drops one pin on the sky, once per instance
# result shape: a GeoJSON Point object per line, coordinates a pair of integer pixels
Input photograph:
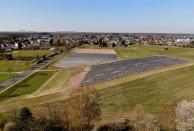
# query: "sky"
{"type": "Point", "coordinates": [130, 16]}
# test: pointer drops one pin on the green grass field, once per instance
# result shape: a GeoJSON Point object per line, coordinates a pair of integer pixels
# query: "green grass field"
{"type": "Point", "coordinates": [137, 51]}
{"type": "Point", "coordinates": [28, 85]}
{"type": "Point", "coordinates": [15, 64]}
{"type": "Point", "coordinates": [5, 76]}
{"type": "Point", "coordinates": [31, 53]}
{"type": "Point", "coordinates": [154, 92]}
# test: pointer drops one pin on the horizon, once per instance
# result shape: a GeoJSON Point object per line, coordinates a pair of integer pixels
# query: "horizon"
{"type": "Point", "coordinates": [96, 32]}
{"type": "Point", "coordinates": [111, 16]}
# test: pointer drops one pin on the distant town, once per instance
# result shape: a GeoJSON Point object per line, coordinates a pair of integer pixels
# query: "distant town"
{"type": "Point", "coordinates": [15, 41]}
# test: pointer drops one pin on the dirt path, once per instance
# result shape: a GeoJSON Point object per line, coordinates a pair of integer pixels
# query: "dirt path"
{"type": "Point", "coordinates": [75, 81]}
{"type": "Point", "coordinates": [95, 51]}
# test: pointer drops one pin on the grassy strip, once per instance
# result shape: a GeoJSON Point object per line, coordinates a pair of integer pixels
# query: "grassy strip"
{"type": "Point", "coordinates": [5, 76]}
{"type": "Point", "coordinates": [28, 85]}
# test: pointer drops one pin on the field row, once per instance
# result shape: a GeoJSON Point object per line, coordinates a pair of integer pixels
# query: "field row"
{"type": "Point", "coordinates": [57, 83]}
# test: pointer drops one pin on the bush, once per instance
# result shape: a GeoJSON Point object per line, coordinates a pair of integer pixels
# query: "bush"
{"type": "Point", "coordinates": [185, 116]}
{"type": "Point", "coordinates": [122, 126]}
{"type": "Point", "coordinates": [25, 119]}
{"type": "Point", "coordinates": [143, 121]}
{"type": "Point", "coordinates": [83, 108]}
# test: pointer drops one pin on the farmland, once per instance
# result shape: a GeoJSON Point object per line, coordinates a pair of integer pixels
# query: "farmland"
{"type": "Point", "coordinates": [138, 51]}
{"type": "Point", "coordinates": [57, 83]}
{"type": "Point", "coordinates": [28, 85]}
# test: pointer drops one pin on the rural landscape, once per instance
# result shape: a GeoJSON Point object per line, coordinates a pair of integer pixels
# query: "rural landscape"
{"type": "Point", "coordinates": [129, 80]}
{"type": "Point", "coordinates": [101, 65]}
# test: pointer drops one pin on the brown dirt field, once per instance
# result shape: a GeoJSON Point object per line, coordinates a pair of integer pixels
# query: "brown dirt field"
{"type": "Point", "coordinates": [95, 51]}
{"type": "Point", "coordinates": [75, 80]}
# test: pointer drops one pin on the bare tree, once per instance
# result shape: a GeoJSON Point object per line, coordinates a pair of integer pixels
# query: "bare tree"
{"type": "Point", "coordinates": [142, 121]}
{"type": "Point", "coordinates": [13, 115]}
{"type": "Point", "coordinates": [137, 117]}
{"type": "Point", "coordinates": [83, 108]}
{"type": "Point", "coordinates": [51, 116]}
{"type": "Point", "coordinates": [79, 113]}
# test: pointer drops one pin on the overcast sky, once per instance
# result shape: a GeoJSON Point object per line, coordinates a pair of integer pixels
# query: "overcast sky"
{"type": "Point", "coordinates": [161, 16]}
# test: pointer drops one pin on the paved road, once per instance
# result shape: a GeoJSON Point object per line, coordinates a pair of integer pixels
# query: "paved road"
{"type": "Point", "coordinates": [26, 73]}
